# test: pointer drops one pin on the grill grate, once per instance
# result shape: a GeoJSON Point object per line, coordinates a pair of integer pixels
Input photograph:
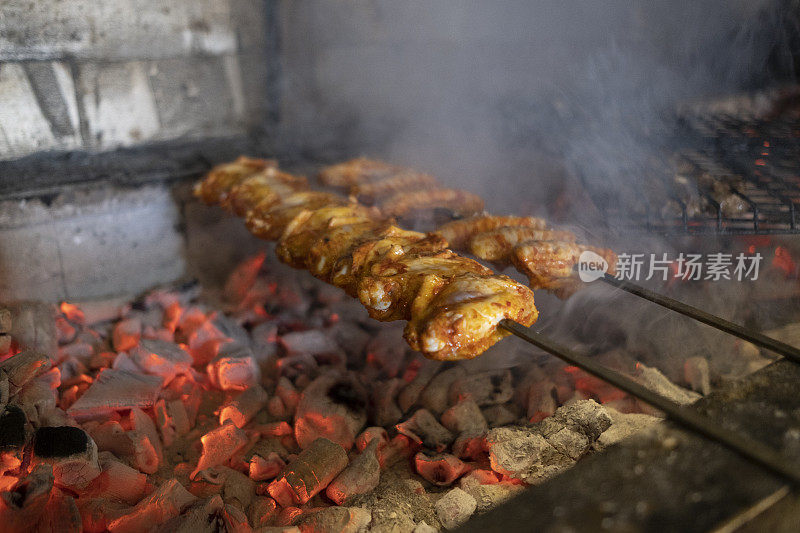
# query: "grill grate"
{"type": "Point", "coordinates": [724, 173]}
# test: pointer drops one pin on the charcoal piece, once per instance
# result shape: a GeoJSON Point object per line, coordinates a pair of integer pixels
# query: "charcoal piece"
{"type": "Point", "coordinates": [116, 390]}
{"type": "Point", "coordinates": [332, 406]}
{"type": "Point", "coordinates": [12, 428]}
{"type": "Point", "coordinates": [62, 441]}
{"type": "Point", "coordinates": [493, 387]}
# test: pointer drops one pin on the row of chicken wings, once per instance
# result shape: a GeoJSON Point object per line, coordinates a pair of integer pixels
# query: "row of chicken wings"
{"type": "Point", "coordinates": [546, 256]}
{"type": "Point", "coordinates": [453, 304]}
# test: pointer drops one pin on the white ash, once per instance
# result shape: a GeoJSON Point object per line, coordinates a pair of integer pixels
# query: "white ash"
{"type": "Point", "coordinates": [455, 507]}
{"type": "Point", "coordinates": [339, 519]}
{"type": "Point", "coordinates": [115, 390]}
{"type": "Point", "coordinates": [332, 406]}
{"type": "Point", "coordinates": [423, 527]}
{"type": "Point", "coordinates": [32, 325]}
{"type": "Point", "coordinates": [537, 452]}
{"type": "Point", "coordinates": [623, 426]}
{"type": "Point", "coordinates": [655, 380]}
{"type": "Point", "coordinates": [399, 502]}
{"type": "Point", "coordinates": [464, 416]}
{"type": "Point", "coordinates": [488, 495]}
{"type": "Point", "coordinates": [435, 396]}
{"type": "Point", "coordinates": [361, 476]}
{"type": "Point", "coordinates": [485, 388]}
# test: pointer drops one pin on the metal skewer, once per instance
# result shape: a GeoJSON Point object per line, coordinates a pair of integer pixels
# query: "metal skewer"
{"type": "Point", "coordinates": [790, 352]}
{"type": "Point", "coordinates": [744, 446]}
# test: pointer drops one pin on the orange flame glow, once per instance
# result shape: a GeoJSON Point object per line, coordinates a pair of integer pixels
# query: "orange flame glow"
{"type": "Point", "coordinates": [72, 312]}
{"type": "Point", "coordinates": [784, 262]}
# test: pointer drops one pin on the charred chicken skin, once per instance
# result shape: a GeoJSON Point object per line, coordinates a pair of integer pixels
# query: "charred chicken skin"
{"type": "Point", "coordinates": [453, 304]}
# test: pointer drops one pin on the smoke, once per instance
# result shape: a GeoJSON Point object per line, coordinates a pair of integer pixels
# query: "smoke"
{"type": "Point", "coordinates": [506, 98]}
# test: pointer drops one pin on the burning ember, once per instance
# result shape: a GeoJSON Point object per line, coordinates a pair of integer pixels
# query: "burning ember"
{"type": "Point", "coordinates": [282, 405]}
{"type": "Point", "coordinates": [784, 262]}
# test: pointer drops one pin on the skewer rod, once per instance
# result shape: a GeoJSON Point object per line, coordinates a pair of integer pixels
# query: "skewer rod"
{"type": "Point", "coordinates": [747, 448]}
{"type": "Point", "coordinates": [790, 352]}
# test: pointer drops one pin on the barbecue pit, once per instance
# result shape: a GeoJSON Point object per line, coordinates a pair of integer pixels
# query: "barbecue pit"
{"type": "Point", "coordinates": [160, 369]}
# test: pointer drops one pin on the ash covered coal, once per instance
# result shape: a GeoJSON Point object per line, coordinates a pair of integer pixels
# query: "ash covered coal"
{"type": "Point", "coordinates": [277, 402]}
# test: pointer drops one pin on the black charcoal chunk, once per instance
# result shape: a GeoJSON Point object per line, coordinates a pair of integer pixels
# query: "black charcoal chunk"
{"type": "Point", "coordinates": [61, 441]}
{"type": "Point", "coordinates": [12, 428]}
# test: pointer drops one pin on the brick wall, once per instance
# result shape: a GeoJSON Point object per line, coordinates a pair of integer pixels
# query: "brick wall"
{"type": "Point", "coordinates": [99, 74]}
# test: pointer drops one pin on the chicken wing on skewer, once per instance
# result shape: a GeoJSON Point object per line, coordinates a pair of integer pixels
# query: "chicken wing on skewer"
{"type": "Point", "coordinates": [267, 188]}
{"type": "Point", "coordinates": [460, 321]}
{"type": "Point", "coordinates": [459, 232]}
{"type": "Point", "coordinates": [329, 228]}
{"type": "Point", "coordinates": [330, 258]}
{"type": "Point", "coordinates": [453, 304]}
{"type": "Point", "coordinates": [549, 264]}
{"type": "Point", "coordinates": [545, 255]}
{"type": "Point", "coordinates": [406, 180]}
{"type": "Point", "coordinates": [497, 245]}
{"type": "Point", "coordinates": [461, 203]}
{"type": "Point", "coordinates": [215, 187]}
{"type": "Point", "coordinates": [270, 223]}
{"type": "Point", "coordinates": [392, 286]}
{"type": "Point", "coordinates": [391, 243]}
{"type": "Point", "coordinates": [356, 171]}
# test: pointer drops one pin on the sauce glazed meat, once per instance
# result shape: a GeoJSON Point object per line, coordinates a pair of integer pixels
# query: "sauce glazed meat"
{"type": "Point", "coordinates": [545, 255]}
{"type": "Point", "coordinates": [453, 304]}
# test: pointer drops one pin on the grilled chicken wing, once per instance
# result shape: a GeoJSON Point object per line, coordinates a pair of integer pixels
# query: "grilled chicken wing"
{"type": "Point", "coordinates": [331, 257]}
{"type": "Point", "coordinates": [461, 203]}
{"type": "Point", "coordinates": [265, 188]}
{"type": "Point", "coordinates": [459, 232]}
{"type": "Point", "coordinates": [328, 228]}
{"type": "Point", "coordinates": [386, 244]}
{"type": "Point", "coordinates": [460, 320]}
{"type": "Point", "coordinates": [549, 264]}
{"type": "Point", "coordinates": [215, 188]}
{"type": "Point", "coordinates": [392, 286]}
{"type": "Point", "coordinates": [270, 223]}
{"type": "Point", "coordinates": [356, 171]}
{"type": "Point", "coordinates": [496, 245]}
{"type": "Point", "coordinates": [406, 180]}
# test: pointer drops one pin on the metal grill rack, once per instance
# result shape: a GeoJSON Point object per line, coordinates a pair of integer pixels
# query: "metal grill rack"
{"type": "Point", "coordinates": [720, 174]}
